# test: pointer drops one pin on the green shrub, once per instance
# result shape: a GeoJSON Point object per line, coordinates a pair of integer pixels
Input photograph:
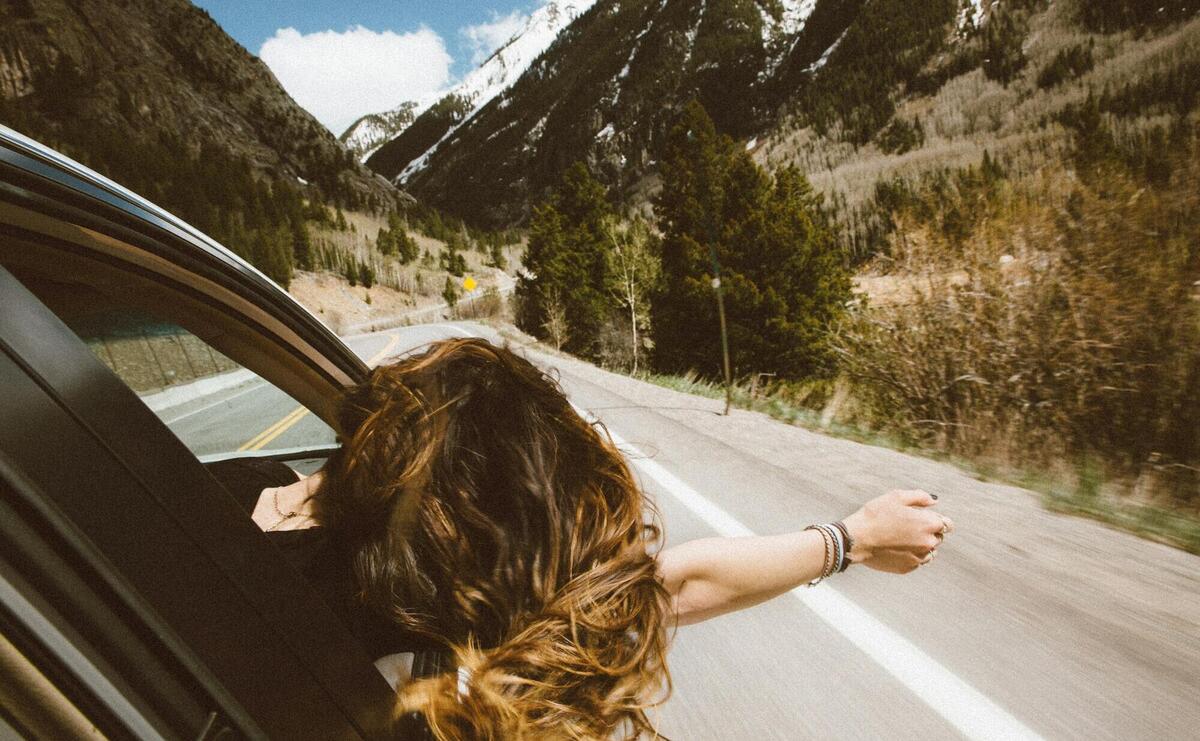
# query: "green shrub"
{"type": "Point", "coordinates": [1087, 345]}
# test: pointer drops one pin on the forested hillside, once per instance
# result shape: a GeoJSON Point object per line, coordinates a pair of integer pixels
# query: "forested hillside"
{"type": "Point", "coordinates": [156, 96]}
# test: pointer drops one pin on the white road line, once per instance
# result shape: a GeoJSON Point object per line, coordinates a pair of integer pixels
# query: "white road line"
{"type": "Point", "coordinates": [960, 704]}
{"type": "Point", "coordinates": [259, 383]}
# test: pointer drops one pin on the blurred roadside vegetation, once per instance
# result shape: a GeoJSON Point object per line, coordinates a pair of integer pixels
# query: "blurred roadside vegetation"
{"type": "Point", "coordinates": [1024, 238]}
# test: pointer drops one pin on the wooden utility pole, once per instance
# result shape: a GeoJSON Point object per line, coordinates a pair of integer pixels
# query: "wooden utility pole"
{"type": "Point", "coordinates": [716, 283]}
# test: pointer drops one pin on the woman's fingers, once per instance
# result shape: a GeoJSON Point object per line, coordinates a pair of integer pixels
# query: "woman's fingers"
{"type": "Point", "coordinates": [900, 522]}
{"type": "Point", "coordinates": [901, 561]}
{"type": "Point", "coordinates": [915, 497]}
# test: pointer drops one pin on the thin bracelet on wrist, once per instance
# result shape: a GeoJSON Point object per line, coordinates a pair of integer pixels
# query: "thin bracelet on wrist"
{"type": "Point", "coordinates": [841, 526]}
{"type": "Point", "coordinates": [839, 547]}
{"type": "Point", "coordinates": [825, 541]}
{"type": "Point", "coordinates": [835, 551]}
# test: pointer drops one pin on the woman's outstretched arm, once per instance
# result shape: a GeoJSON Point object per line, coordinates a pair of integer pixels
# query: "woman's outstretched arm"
{"type": "Point", "coordinates": [896, 532]}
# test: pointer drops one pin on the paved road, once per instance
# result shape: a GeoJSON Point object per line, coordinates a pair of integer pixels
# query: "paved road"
{"type": "Point", "coordinates": [255, 415]}
{"type": "Point", "coordinates": [1029, 625]}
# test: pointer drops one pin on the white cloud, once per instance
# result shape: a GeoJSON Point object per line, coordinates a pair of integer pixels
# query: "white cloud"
{"type": "Point", "coordinates": [485, 38]}
{"type": "Point", "coordinates": [340, 76]}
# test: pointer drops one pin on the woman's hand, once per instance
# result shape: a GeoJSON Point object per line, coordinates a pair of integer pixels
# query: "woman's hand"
{"type": "Point", "coordinates": [897, 532]}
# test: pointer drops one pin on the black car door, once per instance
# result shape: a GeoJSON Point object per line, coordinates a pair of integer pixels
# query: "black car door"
{"type": "Point", "coordinates": [129, 580]}
{"type": "Point", "coordinates": [187, 607]}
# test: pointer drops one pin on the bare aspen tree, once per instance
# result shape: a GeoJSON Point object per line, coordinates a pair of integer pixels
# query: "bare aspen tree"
{"type": "Point", "coordinates": [556, 319]}
{"type": "Point", "coordinates": [633, 268]}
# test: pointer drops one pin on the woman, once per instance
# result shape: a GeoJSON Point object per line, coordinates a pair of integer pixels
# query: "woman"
{"type": "Point", "coordinates": [471, 514]}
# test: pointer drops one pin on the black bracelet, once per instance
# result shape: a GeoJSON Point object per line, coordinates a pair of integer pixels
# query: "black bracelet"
{"type": "Point", "coordinates": [845, 564]}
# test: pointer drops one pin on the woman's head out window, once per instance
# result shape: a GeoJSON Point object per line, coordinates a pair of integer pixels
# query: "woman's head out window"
{"type": "Point", "coordinates": [484, 514]}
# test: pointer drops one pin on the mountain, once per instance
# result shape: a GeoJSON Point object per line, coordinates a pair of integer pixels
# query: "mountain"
{"type": "Point", "coordinates": [371, 131]}
{"type": "Point", "coordinates": [608, 87]}
{"type": "Point", "coordinates": [411, 142]}
{"type": "Point", "coordinates": [109, 81]}
{"type": "Point", "coordinates": [834, 86]}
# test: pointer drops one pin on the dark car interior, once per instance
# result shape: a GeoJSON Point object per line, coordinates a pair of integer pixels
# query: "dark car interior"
{"type": "Point", "coordinates": [150, 605]}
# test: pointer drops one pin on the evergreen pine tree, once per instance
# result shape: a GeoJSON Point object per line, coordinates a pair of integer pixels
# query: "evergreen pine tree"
{"type": "Point", "coordinates": [301, 244]}
{"type": "Point", "coordinates": [271, 252]}
{"type": "Point", "coordinates": [496, 253]}
{"type": "Point", "coordinates": [782, 276]}
{"type": "Point", "coordinates": [366, 275]}
{"type": "Point", "coordinates": [567, 256]}
{"type": "Point", "coordinates": [385, 242]}
{"type": "Point", "coordinates": [450, 292]}
{"type": "Point", "coordinates": [452, 259]}
{"type": "Point", "coordinates": [689, 212]}
{"type": "Point", "coordinates": [404, 246]}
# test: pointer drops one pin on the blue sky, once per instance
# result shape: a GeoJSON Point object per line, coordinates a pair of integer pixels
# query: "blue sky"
{"type": "Point", "coordinates": [343, 59]}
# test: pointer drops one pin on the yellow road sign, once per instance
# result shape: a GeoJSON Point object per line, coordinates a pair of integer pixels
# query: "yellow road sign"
{"type": "Point", "coordinates": [470, 283]}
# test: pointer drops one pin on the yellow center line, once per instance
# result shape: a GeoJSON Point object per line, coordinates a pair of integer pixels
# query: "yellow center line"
{"type": "Point", "coordinates": [262, 439]}
{"type": "Point", "coordinates": [259, 441]}
{"type": "Point", "coordinates": [392, 340]}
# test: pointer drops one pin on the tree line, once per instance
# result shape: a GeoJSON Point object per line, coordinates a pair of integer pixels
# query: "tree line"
{"type": "Point", "coordinates": [614, 290]}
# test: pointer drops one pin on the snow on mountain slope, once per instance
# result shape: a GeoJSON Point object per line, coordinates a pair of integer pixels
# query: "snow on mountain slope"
{"type": "Point", "coordinates": [795, 13]}
{"type": "Point", "coordinates": [368, 133]}
{"type": "Point", "coordinates": [780, 32]}
{"type": "Point", "coordinates": [511, 60]}
{"type": "Point", "coordinates": [481, 85]}
{"type": "Point", "coordinates": [971, 14]}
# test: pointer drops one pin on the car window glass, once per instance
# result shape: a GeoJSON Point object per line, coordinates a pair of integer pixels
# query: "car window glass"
{"type": "Point", "coordinates": [214, 405]}
{"type": "Point", "coordinates": [210, 402]}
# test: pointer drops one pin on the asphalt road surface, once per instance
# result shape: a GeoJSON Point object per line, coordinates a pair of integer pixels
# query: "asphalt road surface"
{"type": "Point", "coordinates": [1029, 625]}
{"type": "Point", "coordinates": [256, 416]}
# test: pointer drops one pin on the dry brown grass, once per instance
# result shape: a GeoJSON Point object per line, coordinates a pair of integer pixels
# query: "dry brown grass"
{"type": "Point", "coordinates": [1066, 327]}
{"type": "Point", "coordinates": [398, 287]}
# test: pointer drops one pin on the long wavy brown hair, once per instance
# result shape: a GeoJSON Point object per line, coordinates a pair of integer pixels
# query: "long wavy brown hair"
{"type": "Point", "coordinates": [485, 515]}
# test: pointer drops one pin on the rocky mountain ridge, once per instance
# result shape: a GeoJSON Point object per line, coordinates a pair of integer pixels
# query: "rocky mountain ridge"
{"type": "Point", "coordinates": [503, 67]}
{"type": "Point", "coordinates": [373, 130]}
{"type": "Point", "coordinates": [607, 88]}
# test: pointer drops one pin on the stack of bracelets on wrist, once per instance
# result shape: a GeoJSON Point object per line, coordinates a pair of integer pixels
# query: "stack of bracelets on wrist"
{"type": "Point", "coordinates": [837, 549]}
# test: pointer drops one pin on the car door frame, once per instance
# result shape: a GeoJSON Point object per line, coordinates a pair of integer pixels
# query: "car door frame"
{"type": "Point", "coordinates": [47, 200]}
{"type": "Point", "coordinates": [139, 497]}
